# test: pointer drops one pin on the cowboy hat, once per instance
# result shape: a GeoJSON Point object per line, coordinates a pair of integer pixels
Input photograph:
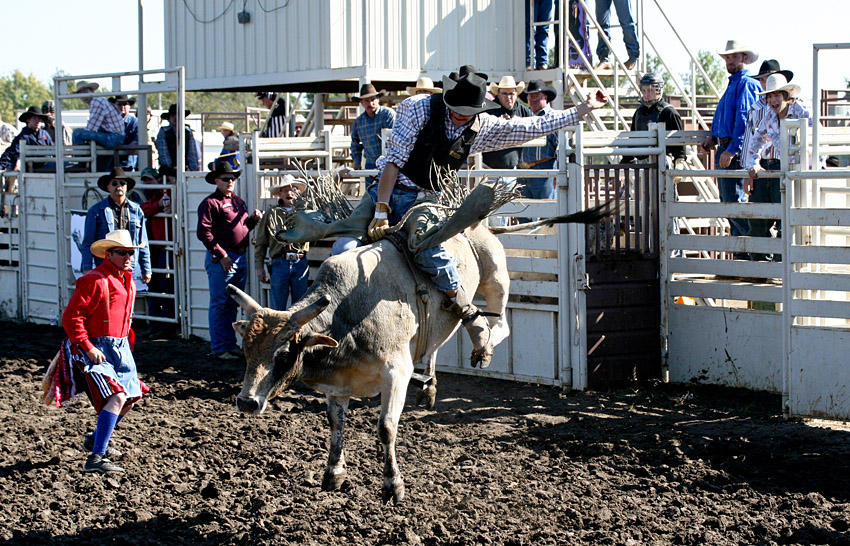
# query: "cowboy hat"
{"type": "Point", "coordinates": [467, 96]}
{"type": "Point", "coordinates": [83, 85]}
{"type": "Point", "coordinates": [48, 107]}
{"type": "Point", "coordinates": [423, 84]}
{"type": "Point", "coordinates": [172, 111]}
{"type": "Point", "coordinates": [226, 126]}
{"type": "Point", "coordinates": [120, 238]}
{"type": "Point", "coordinates": [507, 82]}
{"type": "Point", "coordinates": [778, 82]}
{"type": "Point", "coordinates": [368, 91]}
{"type": "Point", "coordinates": [117, 173]}
{"type": "Point", "coordinates": [219, 168]}
{"type": "Point", "coordinates": [288, 180]}
{"type": "Point", "coordinates": [30, 112]}
{"type": "Point", "coordinates": [734, 46]}
{"type": "Point", "coordinates": [122, 99]}
{"type": "Point", "coordinates": [465, 70]}
{"type": "Point", "coordinates": [771, 66]}
{"type": "Point", "coordinates": [537, 86]}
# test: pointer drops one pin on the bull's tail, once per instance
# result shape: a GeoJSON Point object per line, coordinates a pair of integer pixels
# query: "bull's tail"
{"type": "Point", "coordinates": [588, 216]}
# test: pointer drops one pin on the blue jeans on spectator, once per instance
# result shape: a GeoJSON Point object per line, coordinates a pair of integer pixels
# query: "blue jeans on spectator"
{"type": "Point", "coordinates": [537, 188]}
{"type": "Point", "coordinates": [287, 278]}
{"type": "Point", "coordinates": [732, 191]}
{"type": "Point", "coordinates": [627, 23]}
{"type": "Point", "coordinates": [107, 140]}
{"type": "Point", "coordinates": [537, 41]}
{"type": "Point", "coordinates": [223, 308]}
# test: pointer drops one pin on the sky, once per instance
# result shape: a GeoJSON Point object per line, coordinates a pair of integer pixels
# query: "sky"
{"type": "Point", "coordinates": [779, 29]}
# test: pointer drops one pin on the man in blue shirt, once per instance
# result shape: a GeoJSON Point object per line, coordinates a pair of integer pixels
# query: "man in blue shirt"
{"type": "Point", "coordinates": [131, 128]}
{"type": "Point", "coordinates": [538, 97]}
{"type": "Point", "coordinates": [729, 126]}
{"type": "Point", "coordinates": [32, 134]}
{"type": "Point", "coordinates": [366, 131]}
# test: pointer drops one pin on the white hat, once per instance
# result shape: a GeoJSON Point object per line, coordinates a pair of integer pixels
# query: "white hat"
{"type": "Point", "coordinates": [120, 238]}
{"type": "Point", "coordinates": [227, 126]}
{"type": "Point", "coordinates": [288, 180]}
{"type": "Point", "coordinates": [734, 46]}
{"type": "Point", "coordinates": [777, 82]}
{"type": "Point", "coordinates": [423, 84]}
{"type": "Point", "coordinates": [507, 82]}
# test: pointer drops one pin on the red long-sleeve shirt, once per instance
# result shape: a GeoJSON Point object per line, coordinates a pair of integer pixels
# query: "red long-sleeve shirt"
{"type": "Point", "coordinates": [86, 315]}
{"type": "Point", "coordinates": [157, 225]}
{"type": "Point", "coordinates": [224, 223]}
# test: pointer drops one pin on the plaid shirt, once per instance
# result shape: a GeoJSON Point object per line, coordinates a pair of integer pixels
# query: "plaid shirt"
{"type": "Point", "coordinates": [366, 136]}
{"type": "Point", "coordinates": [494, 133]}
{"type": "Point", "coordinates": [103, 115]}
{"type": "Point", "coordinates": [764, 141]}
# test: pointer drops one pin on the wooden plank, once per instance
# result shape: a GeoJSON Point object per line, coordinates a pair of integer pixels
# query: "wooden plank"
{"type": "Point", "coordinates": [736, 290]}
{"type": "Point", "coordinates": [820, 254]}
{"type": "Point", "coordinates": [542, 289]}
{"type": "Point", "coordinates": [529, 242]}
{"type": "Point", "coordinates": [765, 245]}
{"type": "Point", "coordinates": [725, 267]}
{"type": "Point", "coordinates": [819, 217]}
{"type": "Point", "coordinates": [820, 308]}
{"type": "Point", "coordinates": [725, 210]}
{"type": "Point", "coordinates": [533, 264]}
{"type": "Point", "coordinates": [820, 281]}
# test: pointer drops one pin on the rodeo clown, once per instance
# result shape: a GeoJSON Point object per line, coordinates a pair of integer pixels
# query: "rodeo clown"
{"type": "Point", "coordinates": [97, 321]}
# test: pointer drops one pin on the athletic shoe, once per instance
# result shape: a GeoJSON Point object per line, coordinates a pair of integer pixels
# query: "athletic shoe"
{"type": "Point", "coordinates": [111, 452]}
{"type": "Point", "coordinates": [98, 463]}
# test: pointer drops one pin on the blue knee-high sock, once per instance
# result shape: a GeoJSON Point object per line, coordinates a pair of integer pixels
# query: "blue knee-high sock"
{"type": "Point", "coordinates": [106, 422]}
{"type": "Point", "coordinates": [120, 418]}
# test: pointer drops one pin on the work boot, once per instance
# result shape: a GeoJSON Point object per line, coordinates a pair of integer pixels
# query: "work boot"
{"type": "Point", "coordinates": [478, 328]}
{"type": "Point", "coordinates": [111, 452]}
{"type": "Point", "coordinates": [96, 462]}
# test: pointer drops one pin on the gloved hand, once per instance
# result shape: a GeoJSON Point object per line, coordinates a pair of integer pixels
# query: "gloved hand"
{"type": "Point", "coordinates": [379, 224]}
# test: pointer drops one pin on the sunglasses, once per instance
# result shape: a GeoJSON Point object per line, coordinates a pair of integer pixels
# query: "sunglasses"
{"type": "Point", "coordinates": [118, 183]}
{"type": "Point", "coordinates": [227, 178]}
{"type": "Point", "coordinates": [122, 252]}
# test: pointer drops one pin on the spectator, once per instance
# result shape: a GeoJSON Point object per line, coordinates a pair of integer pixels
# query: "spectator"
{"type": "Point", "coordinates": [105, 125]}
{"type": "Point", "coordinates": [729, 126]}
{"type": "Point", "coordinates": [97, 321]}
{"type": "Point", "coordinates": [7, 132]}
{"type": "Point", "coordinates": [537, 36]}
{"type": "Point", "coordinates": [32, 134]}
{"type": "Point", "coordinates": [131, 128]}
{"type": "Point", "coordinates": [759, 109]}
{"type": "Point", "coordinates": [115, 212]}
{"type": "Point", "coordinates": [223, 227]}
{"type": "Point", "coordinates": [578, 30]}
{"type": "Point", "coordinates": [48, 108]}
{"type": "Point", "coordinates": [230, 148]}
{"type": "Point", "coordinates": [627, 24]}
{"type": "Point", "coordinates": [366, 130]}
{"type": "Point", "coordinates": [166, 142]}
{"type": "Point", "coordinates": [288, 265]}
{"type": "Point", "coordinates": [424, 86]}
{"type": "Point", "coordinates": [539, 96]}
{"type": "Point", "coordinates": [276, 126]}
{"type": "Point", "coordinates": [160, 232]}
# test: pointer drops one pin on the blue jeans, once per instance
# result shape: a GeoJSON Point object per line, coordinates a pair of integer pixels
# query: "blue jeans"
{"type": "Point", "coordinates": [287, 278]}
{"type": "Point", "coordinates": [732, 191]}
{"type": "Point", "coordinates": [538, 40]}
{"type": "Point", "coordinates": [536, 188]}
{"type": "Point", "coordinates": [107, 140]}
{"type": "Point", "coordinates": [627, 23]}
{"type": "Point", "coordinates": [223, 308]}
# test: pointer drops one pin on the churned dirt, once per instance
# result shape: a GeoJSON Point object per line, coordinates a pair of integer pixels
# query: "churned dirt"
{"type": "Point", "coordinates": [494, 463]}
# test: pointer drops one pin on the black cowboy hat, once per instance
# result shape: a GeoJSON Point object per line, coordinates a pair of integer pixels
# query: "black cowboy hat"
{"type": "Point", "coordinates": [122, 99]}
{"type": "Point", "coordinates": [467, 96]}
{"type": "Point", "coordinates": [30, 112]}
{"type": "Point", "coordinates": [465, 70]}
{"type": "Point", "coordinates": [771, 66]}
{"type": "Point", "coordinates": [172, 111]}
{"type": "Point", "coordinates": [219, 168]}
{"type": "Point", "coordinates": [117, 173]}
{"type": "Point", "coordinates": [165, 170]}
{"type": "Point", "coordinates": [537, 86]}
{"type": "Point", "coordinates": [368, 91]}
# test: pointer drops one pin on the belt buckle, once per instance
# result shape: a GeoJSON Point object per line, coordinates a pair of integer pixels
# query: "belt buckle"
{"type": "Point", "coordinates": [292, 256]}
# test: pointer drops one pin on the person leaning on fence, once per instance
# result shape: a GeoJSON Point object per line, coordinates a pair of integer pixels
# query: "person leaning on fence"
{"type": "Point", "coordinates": [166, 142]}
{"type": "Point", "coordinates": [115, 212]}
{"type": "Point", "coordinates": [97, 322]}
{"type": "Point", "coordinates": [367, 127]}
{"type": "Point", "coordinates": [160, 229]}
{"type": "Point", "coordinates": [223, 227]}
{"type": "Point", "coordinates": [289, 268]}
{"type": "Point", "coordinates": [539, 96]}
{"type": "Point", "coordinates": [32, 134]}
{"type": "Point", "coordinates": [105, 125]}
{"type": "Point", "coordinates": [729, 127]}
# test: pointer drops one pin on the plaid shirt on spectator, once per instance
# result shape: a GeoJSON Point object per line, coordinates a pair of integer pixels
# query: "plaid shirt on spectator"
{"type": "Point", "coordinates": [494, 133]}
{"type": "Point", "coordinates": [103, 115]}
{"type": "Point", "coordinates": [366, 136]}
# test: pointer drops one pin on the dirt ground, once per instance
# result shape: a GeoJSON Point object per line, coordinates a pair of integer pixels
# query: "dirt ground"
{"type": "Point", "coordinates": [494, 463]}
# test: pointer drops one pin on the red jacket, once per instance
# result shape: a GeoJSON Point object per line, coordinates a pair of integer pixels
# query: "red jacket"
{"type": "Point", "coordinates": [88, 315]}
{"type": "Point", "coordinates": [151, 208]}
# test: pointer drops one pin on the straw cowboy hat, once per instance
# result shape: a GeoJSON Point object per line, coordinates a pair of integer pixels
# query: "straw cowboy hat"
{"type": "Point", "coordinates": [538, 86]}
{"type": "Point", "coordinates": [467, 96]}
{"type": "Point", "coordinates": [30, 112]}
{"type": "Point", "coordinates": [423, 84]}
{"type": "Point", "coordinates": [226, 126]}
{"type": "Point", "coordinates": [83, 85]}
{"type": "Point", "coordinates": [120, 238]}
{"type": "Point", "coordinates": [288, 180]}
{"type": "Point", "coordinates": [368, 91]}
{"type": "Point", "coordinates": [117, 173]}
{"type": "Point", "coordinates": [219, 168]}
{"type": "Point", "coordinates": [778, 82]}
{"type": "Point", "coordinates": [507, 82]}
{"type": "Point", "coordinates": [734, 46]}
{"type": "Point", "coordinates": [771, 66]}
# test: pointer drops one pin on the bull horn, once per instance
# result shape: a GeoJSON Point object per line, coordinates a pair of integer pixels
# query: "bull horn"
{"type": "Point", "coordinates": [303, 316]}
{"type": "Point", "coordinates": [245, 301]}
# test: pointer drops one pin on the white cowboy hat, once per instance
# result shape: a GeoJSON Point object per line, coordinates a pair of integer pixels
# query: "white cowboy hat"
{"type": "Point", "coordinates": [227, 126]}
{"type": "Point", "coordinates": [288, 180]}
{"type": "Point", "coordinates": [777, 82]}
{"type": "Point", "coordinates": [507, 82]}
{"type": "Point", "coordinates": [120, 238]}
{"type": "Point", "coordinates": [734, 46]}
{"type": "Point", "coordinates": [423, 84]}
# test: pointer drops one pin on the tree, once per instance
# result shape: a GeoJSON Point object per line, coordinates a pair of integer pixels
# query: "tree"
{"type": "Point", "coordinates": [19, 92]}
{"type": "Point", "coordinates": [716, 70]}
{"type": "Point", "coordinates": [653, 64]}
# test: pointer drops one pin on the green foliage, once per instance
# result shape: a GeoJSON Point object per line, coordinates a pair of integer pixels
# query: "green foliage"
{"type": "Point", "coordinates": [716, 70]}
{"type": "Point", "coordinates": [19, 92]}
{"type": "Point", "coordinates": [653, 64]}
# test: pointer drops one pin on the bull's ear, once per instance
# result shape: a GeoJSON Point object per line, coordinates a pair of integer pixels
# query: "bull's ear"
{"type": "Point", "coordinates": [319, 339]}
{"type": "Point", "coordinates": [240, 326]}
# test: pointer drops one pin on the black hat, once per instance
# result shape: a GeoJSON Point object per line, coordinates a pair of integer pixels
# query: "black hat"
{"type": "Point", "coordinates": [465, 70]}
{"type": "Point", "coordinates": [30, 112]}
{"type": "Point", "coordinates": [47, 107]}
{"type": "Point", "coordinates": [266, 95]}
{"type": "Point", "coordinates": [172, 111]}
{"type": "Point", "coordinates": [537, 86]}
{"type": "Point", "coordinates": [368, 91]}
{"type": "Point", "coordinates": [219, 168]}
{"type": "Point", "coordinates": [122, 99]}
{"type": "Point", "coordinates": [771, 66]}
{"type": "Point", "coordinates": [115, 173]}
{"type": "Point", "coordinates": [467, 96]}
{"type": "Point", "coordinates": [165, 170]}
